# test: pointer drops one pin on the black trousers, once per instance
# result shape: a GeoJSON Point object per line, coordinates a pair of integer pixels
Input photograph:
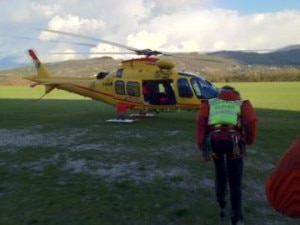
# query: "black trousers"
{"type": "Point", "coordinates": [228, 171]}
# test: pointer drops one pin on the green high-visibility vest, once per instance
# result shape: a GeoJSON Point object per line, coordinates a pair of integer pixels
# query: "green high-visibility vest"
{"type": "Point", "coordinates": [224, 112]}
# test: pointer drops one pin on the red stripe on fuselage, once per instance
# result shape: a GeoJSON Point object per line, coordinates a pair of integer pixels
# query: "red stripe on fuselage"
{"type": "Point", "coordinates": [119, 99]}
{"type": "Point", "coordinates": [85, 88]}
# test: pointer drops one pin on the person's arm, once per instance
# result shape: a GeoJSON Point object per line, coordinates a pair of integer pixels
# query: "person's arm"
{"type": "Point", "coordinates": [249, 120]}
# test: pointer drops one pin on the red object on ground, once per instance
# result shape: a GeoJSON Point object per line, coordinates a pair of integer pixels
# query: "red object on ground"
{"type": "Point", "coordinates": [122, 108]}
{"type": "Point", "coordinates": [283, 186]}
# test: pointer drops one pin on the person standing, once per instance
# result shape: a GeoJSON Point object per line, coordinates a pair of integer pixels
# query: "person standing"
{"type": "Point", "coordinates": [225, 125]}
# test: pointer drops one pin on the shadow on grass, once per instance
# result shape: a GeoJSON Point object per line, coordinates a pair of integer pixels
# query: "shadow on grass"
{"type": "Point", "coordinates": [14, 112]}
{"type": "Point", "coordinates": [21, 112]}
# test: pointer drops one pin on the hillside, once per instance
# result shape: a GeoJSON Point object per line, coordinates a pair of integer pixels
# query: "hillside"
{"type": "Point", "coordinates": [287, 56]}
{"type": "Point", "coordinates": [86, 67]}
{"type": "Point", "coordinates": [89, 67]}
{"type": "Point", "coordinates": [225, 66]}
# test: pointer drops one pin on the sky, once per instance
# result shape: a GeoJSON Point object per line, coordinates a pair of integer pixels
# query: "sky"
{"type": "Point", "coordinates": [164, 25]}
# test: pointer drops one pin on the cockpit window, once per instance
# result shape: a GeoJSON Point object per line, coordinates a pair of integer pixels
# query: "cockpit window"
{"type": "Point", "coordinates": [184, 88]}
{"type": "Point", "coordinates": [201, 87]}
{"type": "Point", "coordinates": [196, 87]}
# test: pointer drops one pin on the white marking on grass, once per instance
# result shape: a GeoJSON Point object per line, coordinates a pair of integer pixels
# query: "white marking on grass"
{"type": "Point", "coordinates": [39, 166]}
{"type": "Point", "coordinates": [18, 138]}
{"type": "Point", "coordinates": [258, 164]}
{"type": "Point", "coordinates": [134, 171]}
{"type": "Point", "coordinates": [123, 163]}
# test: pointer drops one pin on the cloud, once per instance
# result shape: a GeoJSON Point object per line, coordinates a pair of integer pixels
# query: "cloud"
{"type": "Point", "coordinates": [269, 30]}
{"type": "Point", "coordinates": [66, 54]}
{"type": "Point", "coordinates": [177, 25]}
{"type": "Point", "coordinates": [45, 10]}
{"type": "Point", "coordinates": [103, 49]}
{"type": "Point", "coordinates": [167, 7]}
{"type": "Point", "coordinates": [146, 39]}
{"type": "Point", "coordinates": [73, 24]}
{"type": "Point", "coordinates": [12, 14]}
{"type": "Point", "coordinates": [218, 29]}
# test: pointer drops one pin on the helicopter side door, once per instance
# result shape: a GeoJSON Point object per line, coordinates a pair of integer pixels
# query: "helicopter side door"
{"type": "Point", "coordinates": [158, 92]}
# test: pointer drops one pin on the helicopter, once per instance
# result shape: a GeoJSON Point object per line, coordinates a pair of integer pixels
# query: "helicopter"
{"type": "Point", "coordinates": [145, 84]}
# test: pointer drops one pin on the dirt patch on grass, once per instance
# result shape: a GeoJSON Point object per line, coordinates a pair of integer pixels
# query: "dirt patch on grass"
{"type": "Point", "coordinates": [72, 151]}
{"type": "Point", "coordinates": [14, 139]}
{"type": "Point", "coordinates": [119, 161]}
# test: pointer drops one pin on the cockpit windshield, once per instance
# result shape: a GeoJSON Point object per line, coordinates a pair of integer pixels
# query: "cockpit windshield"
{"type": "Point", "coordinates": [202, 88]}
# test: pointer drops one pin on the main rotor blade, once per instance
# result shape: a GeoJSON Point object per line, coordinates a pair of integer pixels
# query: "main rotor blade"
{"type": "Point", "coordinates": [194, 57]}
{"type": "Point", "coordinates": [92, 53]}
{"type": "Point", "coordinates": [130, 53]}
{"type": "Point", "coordinates": [243, 50]}
{"type": "Point", "coordinates": [56, 41]}
{"type": "Point", "coordinates": [89, 38]}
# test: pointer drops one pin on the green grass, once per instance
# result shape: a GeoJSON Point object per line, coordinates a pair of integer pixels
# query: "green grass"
{"type": "Point", "coordinates": [61, 163]}
{"type": "Point", "coordinates": [275, 95]}
{"type": "Point", "coordinates": [25, 92]}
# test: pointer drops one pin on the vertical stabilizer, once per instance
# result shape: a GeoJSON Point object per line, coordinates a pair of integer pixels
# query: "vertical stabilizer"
{"type": "Point", "coordinates": [42, 71]}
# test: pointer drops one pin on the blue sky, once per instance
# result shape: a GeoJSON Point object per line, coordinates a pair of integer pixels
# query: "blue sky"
{"type": "Point", "coordinates": [257, 6]}
{"type": "Point", "coordinates": [166, 25]}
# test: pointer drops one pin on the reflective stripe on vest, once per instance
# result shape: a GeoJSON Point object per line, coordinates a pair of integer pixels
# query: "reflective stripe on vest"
{"type": "Point", "coordinates": [224, 112]}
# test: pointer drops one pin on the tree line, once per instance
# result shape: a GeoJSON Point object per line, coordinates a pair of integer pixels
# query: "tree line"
{"type": "Point", "coordinates": [257, 74]}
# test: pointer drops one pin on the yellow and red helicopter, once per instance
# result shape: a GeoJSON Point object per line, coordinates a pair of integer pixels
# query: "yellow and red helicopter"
{"type": "Point", "coordinates": [146, 84]}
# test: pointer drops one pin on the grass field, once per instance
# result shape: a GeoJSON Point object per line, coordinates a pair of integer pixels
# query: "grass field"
{"type": "Point", "coordinates": [61, 163]}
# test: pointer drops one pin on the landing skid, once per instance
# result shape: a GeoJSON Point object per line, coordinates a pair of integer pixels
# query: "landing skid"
{"type": "Point", "coordinates": [120, 121]}
{"type": "Point", "coordinates": [142, 115]}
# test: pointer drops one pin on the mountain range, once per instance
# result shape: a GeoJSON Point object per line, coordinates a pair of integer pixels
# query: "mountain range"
{"type": "Point", "coordinates": [287, 56]}
{"type": "Point", "coordinates": [222, 65]}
